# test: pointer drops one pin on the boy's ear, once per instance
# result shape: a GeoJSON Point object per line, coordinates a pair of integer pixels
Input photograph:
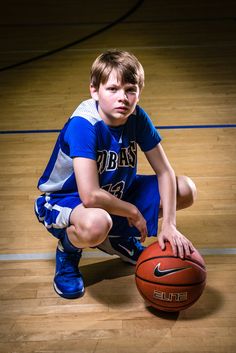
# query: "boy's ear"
{"type": "Point", "coordinates": [140, 91]}
{"type": "Point", "coordinates": [93, 92]}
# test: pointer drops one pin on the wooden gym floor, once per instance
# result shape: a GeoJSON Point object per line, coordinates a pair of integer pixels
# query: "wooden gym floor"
{"type": "Point", "coordinates": [188, 49]}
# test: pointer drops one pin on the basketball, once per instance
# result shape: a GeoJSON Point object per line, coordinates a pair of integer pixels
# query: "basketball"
{"type": "Point", "coordinates": [167, 282]}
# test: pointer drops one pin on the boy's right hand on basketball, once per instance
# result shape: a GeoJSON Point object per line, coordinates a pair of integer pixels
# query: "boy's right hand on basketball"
{"type": "Point", "coordinates": [137, 220]}
{"type": "Point", "coordinates": [181, 246]}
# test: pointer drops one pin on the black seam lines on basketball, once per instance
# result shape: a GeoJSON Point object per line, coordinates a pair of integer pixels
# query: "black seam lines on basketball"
{"type": "Point", "coordinates": [69, 45]}
{"type": "Point", "coordinates": [170, 285]}
{"type": "Point", "coordinates": [173, 257]}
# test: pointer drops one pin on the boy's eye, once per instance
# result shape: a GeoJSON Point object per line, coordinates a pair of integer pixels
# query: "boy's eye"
{"type": "Point", "coordinates": [112, 89]}
{"type": "Point", "coordinates": [132, 90]}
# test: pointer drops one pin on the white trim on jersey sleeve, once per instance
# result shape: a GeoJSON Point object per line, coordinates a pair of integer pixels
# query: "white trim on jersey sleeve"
{"type": "Point", "coordinates": [62, 170]}
{"type": "Point", "coordinates": [88, 110]}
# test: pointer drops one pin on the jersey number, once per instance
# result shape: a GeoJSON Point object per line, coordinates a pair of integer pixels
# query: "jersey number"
{"type": "Point", "coordinates": [116, 190]}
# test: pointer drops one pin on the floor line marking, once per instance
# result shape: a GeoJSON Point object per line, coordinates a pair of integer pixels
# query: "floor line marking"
{"type": "Point", "coordinates": [161, 127]}
{"type": "Point", "coordinates": [99, 254]}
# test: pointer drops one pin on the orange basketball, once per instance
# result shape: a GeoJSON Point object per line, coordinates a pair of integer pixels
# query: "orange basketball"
{"type": "Point", "coordinates": [167, 282]}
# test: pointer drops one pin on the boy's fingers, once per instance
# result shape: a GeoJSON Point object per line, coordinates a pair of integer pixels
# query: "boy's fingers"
{"type": "Point", "coordinates": [175, 248]}
{"type": "Point", "coordinates": [143, 237]}
{"type": "Point", "coordinates": [162, 243]}
{"type": "Point", "coordinates": [180, 250]}
{"type": "Point", "coordinates": [144, 234]}
{"type": "Point", "coordinates": [192, 248]}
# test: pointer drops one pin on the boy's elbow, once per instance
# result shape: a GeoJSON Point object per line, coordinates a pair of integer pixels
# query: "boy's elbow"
{"type": "Point", "coordinates": [89, 200]}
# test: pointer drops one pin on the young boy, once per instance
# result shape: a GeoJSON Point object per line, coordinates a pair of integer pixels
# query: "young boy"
{"type": "Point", "coordinates": [92, 194]}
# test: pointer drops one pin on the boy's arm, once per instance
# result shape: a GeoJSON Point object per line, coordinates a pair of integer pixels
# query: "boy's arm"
{"type": "Point", "coordinates": [167, 188]}
{"type": "Point", "coordinates": [93, 196]}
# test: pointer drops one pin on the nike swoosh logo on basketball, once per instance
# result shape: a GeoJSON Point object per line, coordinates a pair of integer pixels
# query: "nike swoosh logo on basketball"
{"type": "Point", "coordinates": [161, 273]}
{"type": "Point", "coordinates": [130, 252]}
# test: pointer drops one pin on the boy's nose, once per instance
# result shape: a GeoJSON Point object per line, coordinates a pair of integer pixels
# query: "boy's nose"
{"type": "Point", "coordinates": [123, 95]}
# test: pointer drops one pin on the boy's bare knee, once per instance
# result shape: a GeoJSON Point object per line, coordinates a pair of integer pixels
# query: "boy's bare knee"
{"type": "Point", "coordinates": [93, 230]}
{"type": "Point", "coordinates": [98, 227]}
{"type": "Point", "coordinates": [186, 191]}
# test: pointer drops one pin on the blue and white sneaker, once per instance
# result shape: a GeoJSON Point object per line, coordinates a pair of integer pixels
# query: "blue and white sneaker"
{"type": "Point", "coordinates": [68, 281]}
{"type": "Point", "coordinates": [127, 248]}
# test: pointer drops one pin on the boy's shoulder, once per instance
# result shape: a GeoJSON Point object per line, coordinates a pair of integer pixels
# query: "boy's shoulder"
{"type": "Point", "coordinates": [87, 110]}
{"type": "Point", "coordinates": [140, 111]}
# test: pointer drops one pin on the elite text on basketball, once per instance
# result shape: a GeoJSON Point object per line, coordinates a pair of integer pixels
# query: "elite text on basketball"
{"type": "Point", "coordinates": [170, 297]}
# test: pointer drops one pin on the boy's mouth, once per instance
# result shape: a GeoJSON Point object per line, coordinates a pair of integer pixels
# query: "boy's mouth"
{"type": "Point", "coordinates": [121, 108]}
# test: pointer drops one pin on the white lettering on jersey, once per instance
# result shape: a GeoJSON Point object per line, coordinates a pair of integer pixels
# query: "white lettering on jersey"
{"type": "Point", "coordinates": [110, 160]}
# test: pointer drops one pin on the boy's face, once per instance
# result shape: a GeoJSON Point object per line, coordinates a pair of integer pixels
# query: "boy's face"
{"type": "Point", "coordinates": [116, 101]}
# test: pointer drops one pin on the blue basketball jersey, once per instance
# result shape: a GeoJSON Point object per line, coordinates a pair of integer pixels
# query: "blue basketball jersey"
{"type": "Point", "coordinates": [113, 148]}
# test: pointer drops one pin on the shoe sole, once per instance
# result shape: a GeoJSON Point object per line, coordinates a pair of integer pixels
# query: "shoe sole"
{"type": "Point", "coordinates": [74, 295]}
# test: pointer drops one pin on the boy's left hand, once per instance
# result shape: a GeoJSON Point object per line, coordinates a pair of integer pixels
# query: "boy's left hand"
{"type": "Point", "coordinates": [181, 246]}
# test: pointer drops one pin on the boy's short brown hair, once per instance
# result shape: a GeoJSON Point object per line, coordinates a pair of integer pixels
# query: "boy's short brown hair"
{"type": "Point", "coordinates": [126, 65]}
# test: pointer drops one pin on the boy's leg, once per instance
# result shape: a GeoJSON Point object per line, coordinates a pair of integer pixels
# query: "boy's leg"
{"type": "Point", "coordinates": [68, 281]}
{"type": "Point", "coordinates": [75, 227]}
{"type": "Point", "coordinates": [123, 239]}
{"type": "Point", "coordinates": [88, 227]}
{"type": "Point", "coordinates": [146, 197]}
{"type": "Point", "coordinates": [128, 247]}
{"type": "Point", "coordinates": [186, 193]}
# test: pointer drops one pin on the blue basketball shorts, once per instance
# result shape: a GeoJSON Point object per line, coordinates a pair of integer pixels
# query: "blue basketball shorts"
{"type": "Point", "coordinates": [53, 210]}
